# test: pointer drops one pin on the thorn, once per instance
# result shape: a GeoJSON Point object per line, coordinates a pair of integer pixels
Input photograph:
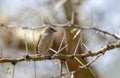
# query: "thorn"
{"type": "Point", "coordinates": [73, 18]}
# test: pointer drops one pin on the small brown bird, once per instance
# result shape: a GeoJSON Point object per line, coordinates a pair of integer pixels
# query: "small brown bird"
{"type": "Point", "coordinates": [45, 40]}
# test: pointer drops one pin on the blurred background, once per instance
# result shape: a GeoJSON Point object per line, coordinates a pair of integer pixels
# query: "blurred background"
{"type": "Point", "coordinates": [103, 14]}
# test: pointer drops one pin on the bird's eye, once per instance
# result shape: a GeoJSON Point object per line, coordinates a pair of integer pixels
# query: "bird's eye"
{"type": "Point", "coordinates": [52, 29]}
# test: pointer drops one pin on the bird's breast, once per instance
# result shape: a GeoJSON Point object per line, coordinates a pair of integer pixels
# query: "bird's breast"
{"type": "Point", "coordinates": [46, 43]}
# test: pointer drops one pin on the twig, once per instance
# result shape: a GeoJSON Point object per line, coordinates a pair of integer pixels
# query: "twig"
{"type": "Point", "coordinates": [35, 74]}
{"type": "Point", "coordinates": [62, 41]}
{"type": "Point", "coordinates": [102, 50]}
{"type": "Point", "coordinates": [79, 61]}
{"type": "Point", "coordinates": [77, 33]}
{"type": "Point", "coordinates": [85, 46]}
{"type": "Point", "coordinates": [99, 30]}
{"type": "Point", "coordinates": [13, 71]}
{"type": "Point", "coordinates": [26, 45]}
{"type": "Point", "coordinates": [73, 18]}
{"type": "Point", "coordinates": [57, 52]}
{"type": "Point", "coordinates": [88, 64]}
{"type": "Point", "coordinates": [67, 68]}
{"type": "Point", "coordinates": [77, 46]}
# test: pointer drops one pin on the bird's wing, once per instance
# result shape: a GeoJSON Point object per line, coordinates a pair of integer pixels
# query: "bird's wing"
{"type": "Point", "coordinates": [38, 43]}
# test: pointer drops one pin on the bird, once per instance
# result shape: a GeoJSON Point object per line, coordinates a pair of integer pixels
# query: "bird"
{"type": "Point", "coordinates": [45, 40]}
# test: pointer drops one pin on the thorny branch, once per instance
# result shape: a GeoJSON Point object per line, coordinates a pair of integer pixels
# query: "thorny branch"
{"type": "Point", "coordinates": [105, 32]}
{"type": "Point", "coordinates": [88, 27]}
{"type": "Point", "coordinates": [102, 50]}
{"type": "Point", "coordinates": [37, 57]}
{"type": "Point", "coordinates": [70, 24]}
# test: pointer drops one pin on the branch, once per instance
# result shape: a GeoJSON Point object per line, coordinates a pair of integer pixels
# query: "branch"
{"type": "Point", "coordinates": [68, 24]}
{"type": "Point", "coordinates": [105, 32]}
{"type": "Point", "coordinates": [102, 50]}
{"type": "Point", "coordinates": [37, 57]}
{"type": "Point", "coordinates": [88, 27]}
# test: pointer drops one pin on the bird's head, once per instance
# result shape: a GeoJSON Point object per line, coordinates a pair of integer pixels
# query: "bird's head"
{"type": "Point", "coordinates": [50, 29]}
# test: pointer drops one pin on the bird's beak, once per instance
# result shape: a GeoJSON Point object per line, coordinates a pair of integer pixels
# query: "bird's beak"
{"type": "Point", "coordinates": [55, 30]}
